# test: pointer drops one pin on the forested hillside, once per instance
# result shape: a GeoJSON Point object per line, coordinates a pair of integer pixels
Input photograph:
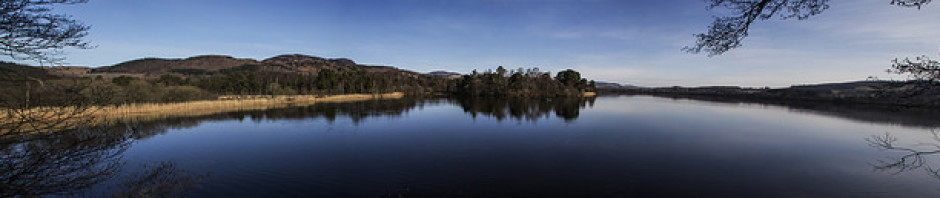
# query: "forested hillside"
{"type": "Point", "coordinates": [206, 77]}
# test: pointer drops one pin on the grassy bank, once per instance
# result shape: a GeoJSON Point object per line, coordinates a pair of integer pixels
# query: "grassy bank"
{"type": "Point", "coordinates": [151, 111]}
{"type": "Point", "coordinates": [228, 104]}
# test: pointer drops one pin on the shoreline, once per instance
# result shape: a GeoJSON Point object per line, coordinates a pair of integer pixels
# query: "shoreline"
{"type": "Point", "coordinates": [759, 98]}
{"type": "Point", "coordinates": [151, 111]}
{"type": "Point", "coordinates": [231, 103]}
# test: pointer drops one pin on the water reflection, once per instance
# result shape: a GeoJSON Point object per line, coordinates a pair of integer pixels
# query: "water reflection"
{"type": "Point", "coordinates": [161, 179]}
{"type": "Point", "coordinates": [62, 163]}
{"type": "Point", "coordinates": [357, 112]}
{"type": "Point", "coordinates": [499, 108]}
{"type": "Point", "coordinates": [567, 108]}
{"type": "Point", "coordinates": [919, 156]}
{"type": "Point", "coordinates": [905, 157]}
{"type": "Point", "coordinates": [70, 162]}
{"type": "Point", "coordinates": [76, 162]}
{"type": "Point", "coordinates": [879, 114]}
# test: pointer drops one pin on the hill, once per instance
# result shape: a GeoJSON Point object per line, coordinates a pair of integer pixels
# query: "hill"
{"type": "Point", "coordinates": [615, 86]}
{"type": "Point", "coordinates": [17, 72]}
{"type": "Point", "coordinates": [206, 63]}
{"type": "Point", "coordinates": [218, 64]}
{"type": "Point", "coordinates": [445, 74]}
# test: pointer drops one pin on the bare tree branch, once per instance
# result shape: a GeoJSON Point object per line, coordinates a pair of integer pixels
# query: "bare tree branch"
{"type": "Point", "coordinates": [910, 3]}
{"type": "Point", "coordinates": [728, 32]}
{"type": "Point", "coordinates": [921, 69]}
{"type": "Point", "coordinates": [912, 158]}
{"type": "Point", "coordinates": [28, 31]}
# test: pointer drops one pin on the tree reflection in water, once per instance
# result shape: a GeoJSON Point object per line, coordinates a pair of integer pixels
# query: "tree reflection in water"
{"type": "Point", "coordinates": [59, 164]}
{"type": "Point", "coordinates": [913, 157]}
{"type": "Point", "coordinates": [567, 108]}
{"type": "Point", "coordinates": [70, 162]}
{"type": "Point", "coordinates": [499, 108]}
{"type": "Point", "coordinates": [162, 179]}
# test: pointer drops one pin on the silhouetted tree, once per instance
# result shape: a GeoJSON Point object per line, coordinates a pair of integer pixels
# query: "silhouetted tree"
{"type": "Point", "coordinates": [727, 32]}
{"type": "Point", "coordinates": [28, 31]}
{"type": "Point", "coordinates": [920, 69]}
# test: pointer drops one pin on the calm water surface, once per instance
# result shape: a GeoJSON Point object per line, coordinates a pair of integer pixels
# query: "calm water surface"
{"type": "Point", "coordinates": [612, 146]}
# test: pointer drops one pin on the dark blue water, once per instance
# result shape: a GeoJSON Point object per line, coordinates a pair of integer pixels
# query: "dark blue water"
{"type": "Point", "coordinates": [616, 146]}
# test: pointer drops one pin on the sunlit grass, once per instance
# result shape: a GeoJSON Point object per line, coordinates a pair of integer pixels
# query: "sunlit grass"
{"type": "Point", "coordinates": [45, 119]}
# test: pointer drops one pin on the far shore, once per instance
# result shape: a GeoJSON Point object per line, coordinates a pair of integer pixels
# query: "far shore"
{"type": "Point", "coordinates": [139, 112]}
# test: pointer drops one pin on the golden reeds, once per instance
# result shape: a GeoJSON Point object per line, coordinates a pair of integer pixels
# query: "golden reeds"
{"type": "Point", "coordinates": [152, 111]}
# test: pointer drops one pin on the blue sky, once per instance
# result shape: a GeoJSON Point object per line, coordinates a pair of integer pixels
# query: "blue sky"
{"type": "Point", "coordinates": [635, 42]}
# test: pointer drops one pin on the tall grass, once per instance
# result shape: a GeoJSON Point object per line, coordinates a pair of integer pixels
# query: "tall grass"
{"type": "Point", "coordinates": [152, 111]}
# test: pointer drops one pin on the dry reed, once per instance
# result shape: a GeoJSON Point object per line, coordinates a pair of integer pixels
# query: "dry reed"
{"type": "Point", "coordinates": [153, 111]}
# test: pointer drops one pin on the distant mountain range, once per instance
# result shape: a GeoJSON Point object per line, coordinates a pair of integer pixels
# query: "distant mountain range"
{"type": "Point", "coordinates": [445, 74]}
{"type": "Point", "coordinates": [215, 64]}
{"type": "Point", "coordinates": [610, 85]}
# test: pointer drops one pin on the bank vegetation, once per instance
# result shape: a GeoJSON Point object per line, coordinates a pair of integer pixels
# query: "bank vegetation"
{"type": "Point", "coordinates": [33, 100]}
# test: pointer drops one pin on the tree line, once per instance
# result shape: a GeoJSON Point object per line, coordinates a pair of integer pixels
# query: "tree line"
{"type": "Point", "coordinates": [26, 84]}
{"type": "Point", "coordinates": [524, 83]}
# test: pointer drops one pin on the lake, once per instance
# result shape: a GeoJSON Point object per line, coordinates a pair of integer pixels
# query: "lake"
{"type": "Point", "coordinates": [609, 146]}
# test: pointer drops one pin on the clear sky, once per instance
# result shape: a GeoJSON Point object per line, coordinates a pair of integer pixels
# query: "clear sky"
{"type": "Point", "coordinates": [634, 42]}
